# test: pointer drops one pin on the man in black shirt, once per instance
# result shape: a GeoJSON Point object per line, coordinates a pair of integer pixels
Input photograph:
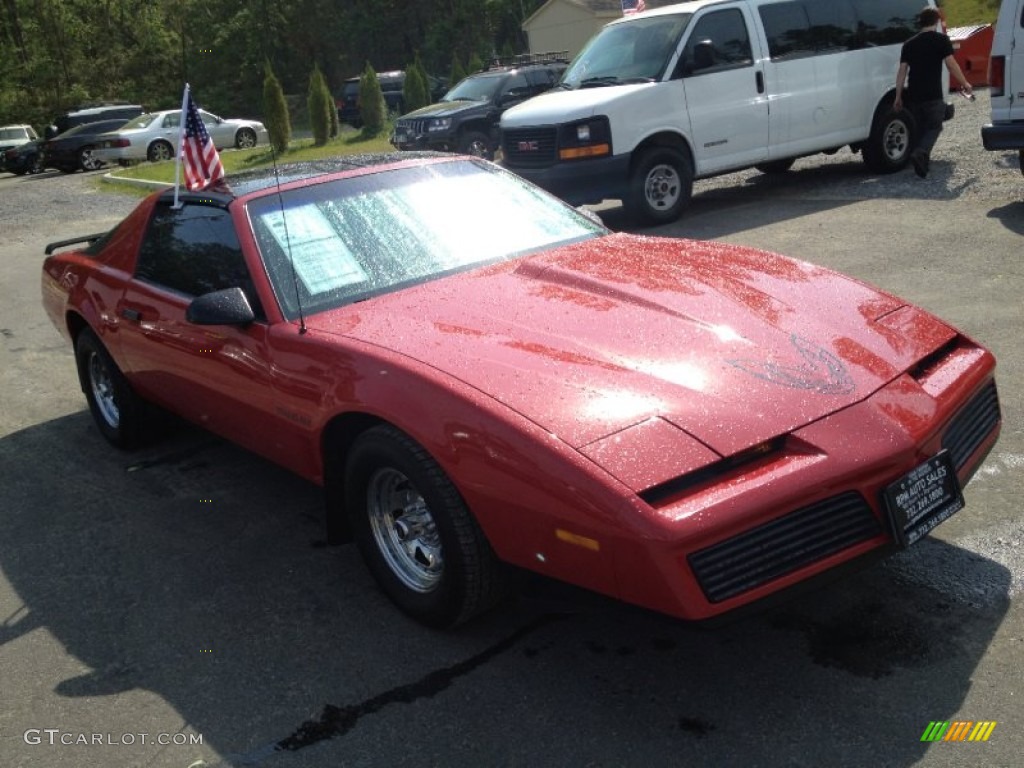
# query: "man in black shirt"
{"type": "Point", "coordinates": [923, 55]}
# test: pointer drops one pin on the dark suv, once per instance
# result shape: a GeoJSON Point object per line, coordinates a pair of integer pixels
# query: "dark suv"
{"type": "Point", "coordinates": [392, 85]}
{"type": "Point", "coordinates": [466, 119]}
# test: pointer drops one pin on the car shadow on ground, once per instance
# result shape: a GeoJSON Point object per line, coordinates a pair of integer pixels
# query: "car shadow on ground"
{"type": "Point", "coordinates": [1011, 216]}
{"type": "Point", "coordinates": [196, 571]}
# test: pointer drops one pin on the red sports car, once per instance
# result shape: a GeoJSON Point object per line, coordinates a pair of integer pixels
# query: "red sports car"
{"type": "Point", "coordinates": [482, 376]}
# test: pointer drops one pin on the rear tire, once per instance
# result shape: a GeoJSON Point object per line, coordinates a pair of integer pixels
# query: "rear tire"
{"type": "Point", "coordinates": [87, 161]}
{"type": "Point", "coordinates": [245, 138]}
{"type": "Point", "coordinates": [1020, 158]}
{"type": "Point", "coordinates": [159, 151]}
{"type": "Point", "coordinates": [887, 149]}
{"type": "Point", "coordinates": [660, 186]}
{"type": "Point", "coordinates": [418, 538]}
{"type": "Point", "coordinates": [118, 412]}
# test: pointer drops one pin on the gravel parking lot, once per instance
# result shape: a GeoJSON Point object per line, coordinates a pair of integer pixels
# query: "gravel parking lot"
{"type": "Point", "coordinates": [127, 607]}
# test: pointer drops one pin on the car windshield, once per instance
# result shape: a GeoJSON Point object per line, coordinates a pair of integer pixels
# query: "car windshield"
{"type": "Point", "coordinates": [475, 88]}
{"type": "Point", "coordinates": [630, 52]}
{"type": "Point", "coordinates": [142, 121]}
{"type": "Point", "coordinates": [350, 239]}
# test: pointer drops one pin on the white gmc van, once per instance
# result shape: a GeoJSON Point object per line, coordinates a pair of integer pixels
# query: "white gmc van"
{"type": "Point", "coordinates": [1006, 81]}
{"type": "Point", "coordinates": [660, 98]}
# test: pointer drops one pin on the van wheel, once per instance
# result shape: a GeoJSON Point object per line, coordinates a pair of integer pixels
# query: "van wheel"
{"type": "Point", "coordinates": [776, 166]}
{"type": "Point", "coordinates": [887, 149]}
{"type": "Point", "coordinates": [660, 186]}
{"type": "Point", "coordinates": [1020, 156]}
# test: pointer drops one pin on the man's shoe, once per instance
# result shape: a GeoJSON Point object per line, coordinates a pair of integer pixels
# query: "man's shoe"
{"type": "Point", "coordinates": [920, 162]}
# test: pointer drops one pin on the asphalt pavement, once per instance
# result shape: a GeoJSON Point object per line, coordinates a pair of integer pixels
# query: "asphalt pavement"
{"type": "Point", "coordinates": [177, 606]}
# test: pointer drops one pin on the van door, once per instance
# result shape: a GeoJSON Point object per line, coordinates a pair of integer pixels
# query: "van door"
{"type": "Point", "coordinates": [819, 84]}
{"type": "Point", "coordinates": [725, 96]}
{"type": "Point", "coordinates": [1015, 64]}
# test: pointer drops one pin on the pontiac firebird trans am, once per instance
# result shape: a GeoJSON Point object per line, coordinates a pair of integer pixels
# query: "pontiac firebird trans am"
{"type": "Point", "coordinates": [482, 376]}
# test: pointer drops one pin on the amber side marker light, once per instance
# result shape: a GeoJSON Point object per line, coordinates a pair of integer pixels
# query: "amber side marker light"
{"type": "Point", "coordinates": [580, 541]}
{"type": "Point", "coordinates": [575, 153]}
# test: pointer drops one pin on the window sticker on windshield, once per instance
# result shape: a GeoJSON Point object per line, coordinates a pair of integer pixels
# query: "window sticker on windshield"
{"type": "Point", "coordinates": [322, 260]}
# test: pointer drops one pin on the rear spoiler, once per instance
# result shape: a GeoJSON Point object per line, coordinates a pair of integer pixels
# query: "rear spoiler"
{"type": "Point", "coordinates": [73, 241]}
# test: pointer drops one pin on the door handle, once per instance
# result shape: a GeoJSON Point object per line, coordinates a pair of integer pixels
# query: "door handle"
{"type": "Point", "coordinates": [759, 77]}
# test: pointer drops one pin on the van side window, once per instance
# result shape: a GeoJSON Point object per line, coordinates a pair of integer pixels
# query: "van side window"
{"type": "Point", "coordinates": [803, 28]}
{"type": "Point", "coordinates": [885, 22]}
{"type": "Point", "coordinates": [717, 42]}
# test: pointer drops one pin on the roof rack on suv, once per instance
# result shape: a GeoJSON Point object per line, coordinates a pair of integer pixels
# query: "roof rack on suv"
{"type": "Point", "coordinates": [523, 59]}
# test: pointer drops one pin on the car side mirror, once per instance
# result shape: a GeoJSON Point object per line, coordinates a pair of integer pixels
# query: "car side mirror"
{"type": "Point", "coordinates": [229, 306]}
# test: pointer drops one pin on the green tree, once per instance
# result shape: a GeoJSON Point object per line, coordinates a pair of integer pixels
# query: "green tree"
{"type": "Point", "coordinates": [275, 111]}
{"type": "Point", "coordinates": [458, 73]}
{"type": "Point", "coordinates": [371, 102]}
{"type": "Point", "coordinates": [414, 89]}
{"type": "Point", "coordinates": [476, 64]}
{"type": "Point", "coordinates": [335, 122]}
{"type": "Point", "coordinates": [427, 90]}
{"type": "Point", "coordinates": [320, 105]}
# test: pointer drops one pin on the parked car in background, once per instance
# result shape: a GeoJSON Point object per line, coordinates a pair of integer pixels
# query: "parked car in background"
{"type": "Point", "coordinates": [688, 426]}
{"type": "Point", "coordinates": [392, 85]}
{"type": "Point", "coordinates": [92, 114]}
{"type": "Point", "coordinates": [1006, 80]}
{"type": "Point", "coordinates": [74, 149]}
{"type": "Point", "coordinates": [466, 118]}
{"type": "Point", "coordinates": [12, 136]}
{"type": "Point", "coordinates": [27, 158]}
{"type": "Point", "coordinates": [154, 136]}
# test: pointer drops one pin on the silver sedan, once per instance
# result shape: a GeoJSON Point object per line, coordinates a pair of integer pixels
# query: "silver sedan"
{"type": "Point", "coordinates": [154, 136]}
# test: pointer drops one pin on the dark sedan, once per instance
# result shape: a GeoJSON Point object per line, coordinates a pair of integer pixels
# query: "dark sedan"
{"type": "Point", "coordinates": [73, 149]}
{"type": "Point", "coordinates": [28, 158]}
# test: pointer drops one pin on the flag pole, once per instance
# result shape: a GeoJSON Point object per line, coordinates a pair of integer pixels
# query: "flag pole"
{"type": "Point", "coordinates": [181, 146]}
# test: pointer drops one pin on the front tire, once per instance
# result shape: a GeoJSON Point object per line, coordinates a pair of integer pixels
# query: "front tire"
{"type": "Point", "coordinates": [159, 151]}
{"type": "Point", "coordinates": [887, 149]}
{"type": "Point", "coordinates": [116, 409]}
{"type": "Point", "coordinates": [660, 185]}
{"type": "Point", "coordinates": [245, 138]}
{"type": "Point", "coordinates": [420, 541]}
{"type": "Point", "coordinates": [477, 144]}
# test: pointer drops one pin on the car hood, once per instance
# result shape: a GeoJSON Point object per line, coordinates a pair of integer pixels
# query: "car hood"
{"type": "Point", "coordinates": [442, 109]}
{"type": "Point", "coordinates": [731, 345]}
{"type": "Point", "coordinates": [559, 106]}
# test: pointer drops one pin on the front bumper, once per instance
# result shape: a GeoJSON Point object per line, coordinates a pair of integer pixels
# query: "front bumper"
{"type": "Point", "coordinates": [581, 181]}
{"type": "Point", "coordinates": [1003, 136]}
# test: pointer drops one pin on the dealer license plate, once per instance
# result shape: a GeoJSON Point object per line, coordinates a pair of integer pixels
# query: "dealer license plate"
{"type": "Point", "coordinates": [923, 498]}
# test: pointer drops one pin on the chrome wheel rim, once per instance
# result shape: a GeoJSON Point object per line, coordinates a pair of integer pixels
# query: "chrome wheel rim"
{"type": "Point", "coordinates": [404, 530]}
{"type": "Point", "coordinates": [662, 187]}
{"type": "Point", "coordinates": [89, 163]}
{"type": "Point", "coordinates": [897, 138]}
{"type": "Point", "coordinates": [102, 385]}
{"type": "Point", "coordinates": [160, 152]}
{"type": "Point", "coordinates": [477, 148]}
{"type": "Point", "coordinates": [246, 139]}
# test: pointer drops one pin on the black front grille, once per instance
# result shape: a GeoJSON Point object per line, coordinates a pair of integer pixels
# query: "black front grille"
{"type": "Point", "coordinates": [412, 127]}
{"type": "Point", "coordinates": [529, 147]}
{"type": "Point", "coordinates": [972, 425]}
{"type": "Point", "coordinates": [782, 546]}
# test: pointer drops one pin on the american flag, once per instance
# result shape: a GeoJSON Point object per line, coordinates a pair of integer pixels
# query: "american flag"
{"type": "Point", "coordinates": [633, 6]}
{"type": "Point", "coordinates": [199, 155]}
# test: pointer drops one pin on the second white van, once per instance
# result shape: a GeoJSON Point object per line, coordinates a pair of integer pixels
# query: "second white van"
{"type": "Point", "coordinates": [660, 98]}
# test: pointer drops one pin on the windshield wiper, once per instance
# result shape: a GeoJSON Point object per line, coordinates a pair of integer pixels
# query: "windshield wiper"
{"type": "Point", "coordinates": [594, 82]}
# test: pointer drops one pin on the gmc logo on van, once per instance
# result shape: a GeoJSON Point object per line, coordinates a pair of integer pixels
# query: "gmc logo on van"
{"type": "Point", "coordinates": [529, 146]}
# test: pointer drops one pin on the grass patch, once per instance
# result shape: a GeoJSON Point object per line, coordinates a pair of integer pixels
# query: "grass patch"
{"type": "Point", "coordinates": [965, 13]}
{"type": "Point", "coordinates": [235, 161]}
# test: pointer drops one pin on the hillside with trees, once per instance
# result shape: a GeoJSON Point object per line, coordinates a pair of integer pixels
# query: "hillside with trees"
{"type": "Point", "coordinates": [56, 54]}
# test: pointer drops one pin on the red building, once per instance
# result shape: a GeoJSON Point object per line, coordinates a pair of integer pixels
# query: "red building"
{"type": "Point", "coordinates": [972, 47]}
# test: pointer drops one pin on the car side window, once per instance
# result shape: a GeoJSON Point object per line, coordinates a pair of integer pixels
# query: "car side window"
{"type": "Point", "coordinates": [718, 41]}
{"type": "Point", "coordinates": [798, 29]}
{"type": "Point", "coordinates": [540, 79]}
{"type": "Point", "coordinates": [172, 120]}
{"type": "Point", "coordinates": [194, 250]}
{"type": "Point", "coordinates": [516, 87]}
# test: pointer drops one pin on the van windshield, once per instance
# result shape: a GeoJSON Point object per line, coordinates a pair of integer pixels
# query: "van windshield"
{"type": "Point", "coordinates": [635, 51]}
